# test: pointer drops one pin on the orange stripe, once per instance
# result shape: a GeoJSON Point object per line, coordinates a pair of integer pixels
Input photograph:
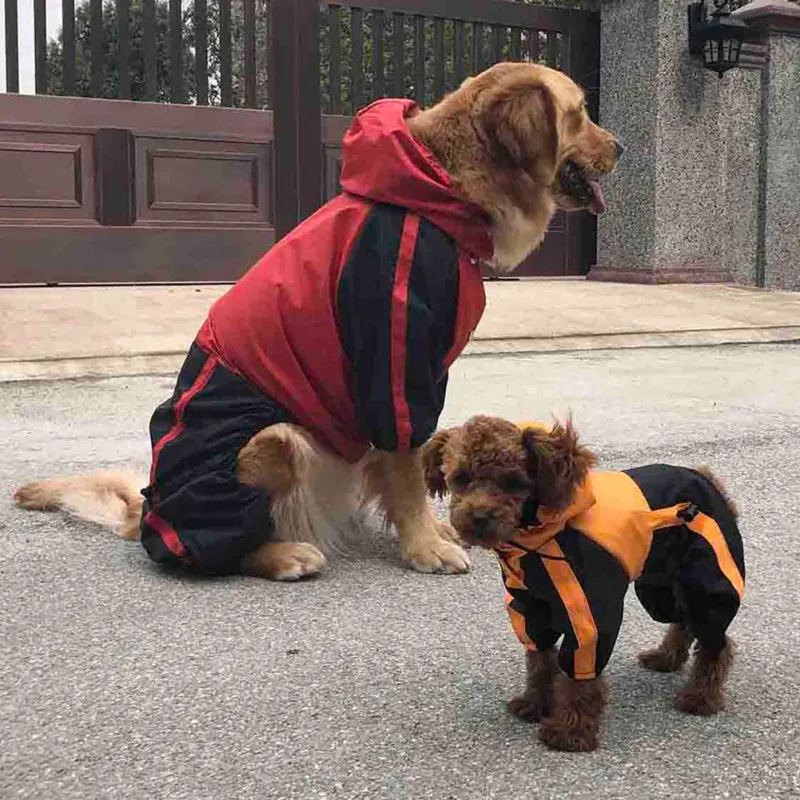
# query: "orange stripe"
{"type": "Point", "coordinates": [580, 614]}
{"type": "Point", "coordinates": [512, 568]}
{"type": "Point", "coordinates": [399, 333]}
{"type": "Point", "coordinates": [709, 530]}
{"type": "Point", "coordinates": [518, 624]}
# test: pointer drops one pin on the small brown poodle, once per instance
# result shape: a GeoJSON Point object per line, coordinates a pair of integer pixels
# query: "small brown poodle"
{"type": "Point", "coordinates": [570, 540]}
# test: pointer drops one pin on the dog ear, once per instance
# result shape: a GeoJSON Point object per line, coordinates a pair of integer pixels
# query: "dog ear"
{"type": "Point", "coordinates": [557, 464]}
{"type": "Point", "coordinates": [520, 127]}
{"type": "Point", "coordinates": [432, 453]}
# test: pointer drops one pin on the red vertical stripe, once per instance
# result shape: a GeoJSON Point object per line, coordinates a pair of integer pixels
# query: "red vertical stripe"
{"type": "Point", "coordinates": [167, 533]}
{"type": "Point", "coordinates": [180, 407]}
{"type": "Point", "coordinates": [169, 536]}
{"type": "Point", "coordinates": [399, 333]}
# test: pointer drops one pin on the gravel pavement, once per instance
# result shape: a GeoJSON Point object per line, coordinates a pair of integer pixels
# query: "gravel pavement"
{"type": "Point", "coordinates": [118, 681]}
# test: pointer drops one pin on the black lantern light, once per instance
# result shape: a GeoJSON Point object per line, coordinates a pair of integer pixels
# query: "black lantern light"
{"type": "Point", "coordinates": [716, 39]}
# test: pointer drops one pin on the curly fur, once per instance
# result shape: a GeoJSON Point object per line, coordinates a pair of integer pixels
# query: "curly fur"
{"type": "Point", "coordinates": [575, 722]}
{"type": "Point", "coordinates": [491, 467]}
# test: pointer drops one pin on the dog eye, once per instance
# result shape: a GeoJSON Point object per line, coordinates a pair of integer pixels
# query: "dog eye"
{"type": "Point", "coordinates": [460, 479]}
{"type": "Point", "coordinates": [513, 484]}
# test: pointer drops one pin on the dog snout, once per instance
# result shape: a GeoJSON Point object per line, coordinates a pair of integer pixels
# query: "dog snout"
{"type": "Point", "coordinates": [481, 522]}
{"type": "Point", "coordinates": [620, 148]}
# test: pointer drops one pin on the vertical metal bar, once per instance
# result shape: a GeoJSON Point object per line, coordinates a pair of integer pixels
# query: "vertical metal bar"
{"type": "Point", "coordinates": [334, 50]}
{"type": "Point", "coordinates": [399, 57]}
{"type": "Point", "coordinates": [225, 60]}
{"type": "Point", "coordinates": [563, 52]}
{"type": "Point", "coordinates": [516, 44]}
{"type": "Point", "coordinates": [551, 49]}
{"type": "Point", "coordinates": [176, 51]}
{"type": "Point", "coordinates": [533, 46]}
{"type": "Point", "coordinates": [584, 67]}
{"type": "Point", "coordinates": [97, 47]}
{"type": "Point", "coordinates": [149, 48]}
{"type": "Point", "coordinates": [201, 51]}
{"type": "Point", "coordinates": [12, 47]}
{"type": "Point", "coordinates": [40, 46]}
{"type": "Point", "coordinates": [459, 43]}
{"type": "Point", "coordinates": [378, 26]}
{"type": "Point", "coordinates": [309, 136]}
{"type": "Point", "coordinates": [419, 60]}
{"type": "Point", "coordinates": [282, 52]}
{"type": "Point", "coordinates": [498, 37]}
{"type": "Point", "coordinates": [68, 45]}
{"type": "Point", "coordinates": [250, 53]}
{"type": "Point", "coordinates": [438, 58]}
{"type": "Point", "coordinates": [477, 47]}
{"type": "Point", "coordinates": [124, 45]}
{"type": "Point", "coordinates": [357, 66]}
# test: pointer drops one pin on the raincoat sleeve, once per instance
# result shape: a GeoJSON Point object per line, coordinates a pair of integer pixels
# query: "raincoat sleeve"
{"type": "Point", "coordinates": [397, 304]}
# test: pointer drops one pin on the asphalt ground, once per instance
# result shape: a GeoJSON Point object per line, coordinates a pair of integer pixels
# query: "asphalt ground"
{"type": "Point", "coordinates": [120, 681]}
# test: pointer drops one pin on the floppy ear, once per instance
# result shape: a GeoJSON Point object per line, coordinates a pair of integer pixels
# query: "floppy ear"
{"type": "Point", "coordinates": [520, 128]}
{"type": "Point", "coordinates": [557, 464]}
{"type": "Point", "coordinates": [432, 453]}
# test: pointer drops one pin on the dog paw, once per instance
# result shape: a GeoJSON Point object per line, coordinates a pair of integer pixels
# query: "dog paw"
{"type": "Point", "coordinates": [573, 740]}
{"type": "Point", "coordinates": [661, 660]}
{"type": "Point", "coordinates": [34, 496]}
{"type": "Point", "coordinates": [699, 701]}
{"type": "Point", "coordinates": [437, 556]}
{"type": "Point", "coordinates": [284, 561]}
{"type": "Point", "coordinates": [449, 533]}
{"type": "Point", "coordinates": [528, 708]}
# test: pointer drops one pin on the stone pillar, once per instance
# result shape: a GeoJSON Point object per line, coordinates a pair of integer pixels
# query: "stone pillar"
{"type": "Point", "coordinates": [668, 194]}
{"type": "Point", "coordinates": [778, 254]}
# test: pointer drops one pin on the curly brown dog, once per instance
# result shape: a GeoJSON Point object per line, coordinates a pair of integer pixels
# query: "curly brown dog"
{"type": "Point", "coordinates": [570, 540]}
{"type": "Point", "coordinates": [314, 380]}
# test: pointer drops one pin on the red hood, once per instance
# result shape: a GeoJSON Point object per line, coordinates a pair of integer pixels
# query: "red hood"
{"type": "Point", "coordinates": [383, 162]}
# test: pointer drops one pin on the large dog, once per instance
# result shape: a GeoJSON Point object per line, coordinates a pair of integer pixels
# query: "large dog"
{"type": "Point", "coordinates": [317, 377]}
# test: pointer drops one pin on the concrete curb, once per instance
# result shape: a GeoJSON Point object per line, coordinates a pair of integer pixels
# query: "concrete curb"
{"type": "Point", "coordinates": [117, 366]}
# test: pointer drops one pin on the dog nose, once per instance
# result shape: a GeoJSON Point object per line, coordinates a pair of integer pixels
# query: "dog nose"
{"type": "Point", "coordinates": [480, 522]}
{"type": "Point", "coordinates": [620, 148]}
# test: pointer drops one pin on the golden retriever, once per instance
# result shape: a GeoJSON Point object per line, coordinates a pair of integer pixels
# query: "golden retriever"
{"type": "Point", "coordinates": [515, 141]}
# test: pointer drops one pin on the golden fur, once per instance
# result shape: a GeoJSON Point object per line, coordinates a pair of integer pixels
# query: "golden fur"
{"type": "Point", "coordinates": [503, 137]}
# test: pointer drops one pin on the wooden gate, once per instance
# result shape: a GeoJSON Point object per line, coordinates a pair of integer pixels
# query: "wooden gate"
{"type": "Point", "coordinates": [119, 190]}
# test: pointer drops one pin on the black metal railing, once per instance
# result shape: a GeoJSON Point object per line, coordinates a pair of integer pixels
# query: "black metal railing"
{"type": "Point", "coordinates": [215, 52]}
{"type": "Point", "coordinates": [208, 52]}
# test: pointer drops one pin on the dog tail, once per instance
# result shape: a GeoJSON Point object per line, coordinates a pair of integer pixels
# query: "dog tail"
{"type": "Point", "coordinates": [110, 499]}
{"type": "Point", "coordinates": [717, 484]}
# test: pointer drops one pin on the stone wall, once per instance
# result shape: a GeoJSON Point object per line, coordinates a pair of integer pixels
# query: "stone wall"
{"type": "Point", "coordinates": [709, 188]}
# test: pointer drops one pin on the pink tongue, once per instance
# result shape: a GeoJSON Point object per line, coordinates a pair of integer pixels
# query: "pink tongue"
{"type": "Point", "coordinates": [598, 204]}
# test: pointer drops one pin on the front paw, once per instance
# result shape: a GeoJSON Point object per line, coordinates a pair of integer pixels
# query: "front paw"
{"type": "Point", "coordinates": [450, 534]}
{"type": "Point", "coordinates": [436, 555]}
{"type": "Point", "coordinates": [699, 700]}
{"type": "Point", "coordinates": [558, 736]}
{"type": "Point", "coordinates": [659, 660]}
{"type": "Point", "coordinates": [529, 707]}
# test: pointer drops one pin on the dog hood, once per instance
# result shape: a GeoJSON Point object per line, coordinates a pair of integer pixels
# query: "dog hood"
{"type": "Point", "coordinates": [384, 163]}
{"type": "Point", "coordinates": [550, 522]}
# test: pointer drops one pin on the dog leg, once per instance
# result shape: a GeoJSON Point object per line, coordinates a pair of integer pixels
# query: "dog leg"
{"type": "Point", "coordinates": [672, 653]}
{"type": "Point", "coordinates": [704, 695]}
{"type": "Point", "coordinates": [575, 723]}
{"type": "Point", "coordinates": [536, 702]}
{"type": "Point", "coordinates": [427, 544]}
{"type": "Point", "coordinates": [279, 459]}
{"type": "Point", "coordinates": [283, 561]}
